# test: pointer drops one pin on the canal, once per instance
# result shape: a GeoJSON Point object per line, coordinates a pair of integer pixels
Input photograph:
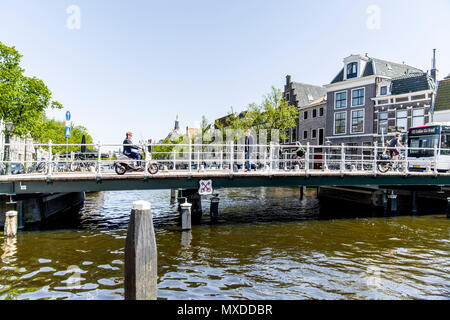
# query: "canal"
{"type": "Point", "coordinates": [267, 244]}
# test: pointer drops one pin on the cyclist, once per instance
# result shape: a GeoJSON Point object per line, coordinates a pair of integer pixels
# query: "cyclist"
{"type": "Point", "coordinates": [393, 146]}
{"type": "Point", "coordinates": [299, 153]}
{"type": "Point", "coordinates": [128, 146]}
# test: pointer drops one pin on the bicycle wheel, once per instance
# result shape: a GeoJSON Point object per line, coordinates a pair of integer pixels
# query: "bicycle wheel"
{"type": "Point", "coordinates": [383, 167]}
{"type": "Point", "coordinates": [153, 168]}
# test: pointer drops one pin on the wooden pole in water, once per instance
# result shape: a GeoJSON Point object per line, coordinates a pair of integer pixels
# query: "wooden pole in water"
{"type": "Point", "coordinates": [11, 224]}
{"type": "Point", "coordinates": [140, 254]}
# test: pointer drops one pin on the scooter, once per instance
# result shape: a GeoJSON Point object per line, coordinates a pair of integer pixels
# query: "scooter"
{"type": "Point", "coordinates": [125, 164]}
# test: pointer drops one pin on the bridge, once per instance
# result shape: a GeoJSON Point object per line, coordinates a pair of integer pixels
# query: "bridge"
{"type": "Point", "coordinates": [184, 166]}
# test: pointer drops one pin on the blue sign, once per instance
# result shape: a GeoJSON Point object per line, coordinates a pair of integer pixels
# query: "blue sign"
{"type": "Point", "coordinates": [67, 132]}
{"type": "Point", "coordinates": [68, 116]}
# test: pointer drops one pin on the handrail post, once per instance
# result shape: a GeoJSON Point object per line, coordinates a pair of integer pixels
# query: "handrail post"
{"type": "Point", "coordinates": [342, 158]}
{"type": "Point", "coordinates": [49, 160]}
{"type": "Point", "coordinates": [375, 154]}
{"type": "Point", "coordinates": [435, 159]}
{"type": "Point", "coordinates": [307, 158]}
{"type": "Point", "coordinates": [406, 160]}
{"type": "Point", "coordinates": [231, 156]}
{"type": "Point", "coordinates": [174, 163]}
{"type": "Point", "coordinates": [271, 157]}
{"type": "Point", "coordinates": [190, 155]}
{"type": "Point", "coordinates": [99, 159]}
{"type": "Point", "coordinates": [147, 159]}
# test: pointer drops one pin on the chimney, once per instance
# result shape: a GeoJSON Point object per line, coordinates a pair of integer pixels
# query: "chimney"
{"type": "Point", "coordinates": [288, 79]}
{"type": "Point", "coordinates": [434, 71]}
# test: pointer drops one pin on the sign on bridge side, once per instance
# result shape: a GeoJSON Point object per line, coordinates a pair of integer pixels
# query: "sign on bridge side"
{"type": "Point", "coordinates": [205, 187]}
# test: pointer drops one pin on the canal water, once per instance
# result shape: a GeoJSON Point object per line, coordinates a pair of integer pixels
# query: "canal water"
{"type": "Point", "coordinates": [267, 244]}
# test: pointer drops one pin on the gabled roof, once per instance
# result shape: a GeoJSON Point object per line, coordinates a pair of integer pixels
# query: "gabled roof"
{"type": "Point", "coordinates": [381, 68]}
{"type": "Point", "coordinates": [412, 82]}
{"type": "Point", "coordinates": [307, 93]}
{"type": "Point", "coordinates": [442, 101]}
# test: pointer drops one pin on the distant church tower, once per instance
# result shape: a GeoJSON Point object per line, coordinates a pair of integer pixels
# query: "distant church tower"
{"type": "Point", "coordinates": [175, 133]}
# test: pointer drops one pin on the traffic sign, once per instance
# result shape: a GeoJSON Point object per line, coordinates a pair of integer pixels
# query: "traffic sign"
{"type": "Point", "coordinates": [68, 115]}
{"type": "Point", "coordinates": [205, 187]}
{"type": "Point", "coordinates": [67, 132]}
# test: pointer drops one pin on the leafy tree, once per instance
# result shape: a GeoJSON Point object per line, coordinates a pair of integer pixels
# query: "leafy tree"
{"type": "Point", "coordinates": [54, 130]}
{"type": "Point", "coordinates": [23, 100]}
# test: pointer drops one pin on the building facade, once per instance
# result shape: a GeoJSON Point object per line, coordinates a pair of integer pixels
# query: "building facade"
{"type": "Point", "coordinates": [351, 116]}
{"type": "Point", "coordinates": [441, 107]}
{"type": "Point", "coordinates": [307, 99]}
{"type": "Point", "coordinates": [312, 122]}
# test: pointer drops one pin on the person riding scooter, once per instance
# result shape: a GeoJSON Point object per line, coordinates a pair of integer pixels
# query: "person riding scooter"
{"type": "Point", "coordinates": [128, 146]}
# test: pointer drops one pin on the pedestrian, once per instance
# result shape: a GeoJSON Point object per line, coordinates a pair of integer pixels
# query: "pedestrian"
{"type": "Point", "coordinates": [149, 149]}
{"type": "Point", "coordinates": [249, 145]}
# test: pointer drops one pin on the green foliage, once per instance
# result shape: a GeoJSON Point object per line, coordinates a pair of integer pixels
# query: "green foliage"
{"type": "Point", "coordinates": [161, 152]}
{"type": "Point", "coordinates": [54, 130]}
{"type": "Point", "coordinates": [273, 113]}
{"type": "Point", "coordinates": [23, 100]}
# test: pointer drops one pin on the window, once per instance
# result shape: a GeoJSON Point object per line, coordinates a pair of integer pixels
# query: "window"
{"type": "Point", "coordinates": [383, 91]}
{"type": "Point", "coordinates": [313, 133]}
{"type": "Point", "coordinates": [382, 122]}
{"type": "Point", "coordinates": [305, 135]}
{"type": "Point", "coordinates": [287, 97]}
{"type": "Point", "coordinates": [367, 149]}
{"type": "Point", "coordinates": [340, 122]}
{"type": "Point", "coordinates": [321, 112]}
{"type": "Point", "coordinates": [352, 70]}
{"type": "Point", "coordinates": [305, 115]}
{"type": "Point", "coordinates": [352, 148]}
{"type": "Point", "coordinates": [341, 100]}
{"type": "Point", "coordinates": [294, 134]}
{"type": "Point", "coordinates": [314, 113]}
{"type": "Point", "coordinates": [418, 117]}
{"type": "Point", "coordinates": [358, 121]}
{"type": "Point", "coordinates": [402, 120]}
{"type": "Point", "coordinates": [358, 97]}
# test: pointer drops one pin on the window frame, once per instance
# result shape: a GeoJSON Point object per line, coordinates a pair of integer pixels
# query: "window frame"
{"type": "Point", "coordinates": [405, 118]}
{"type": "Point", "coordinates": [363, 120]}
{"type": "Point", "coordinates": [334, 123]}
{"type": "Point", "coordinates": [335, 100]}
{"type": "Point", "coordinates": [363, 97]}
{"type": "Point", "coordinates": [353, 74]}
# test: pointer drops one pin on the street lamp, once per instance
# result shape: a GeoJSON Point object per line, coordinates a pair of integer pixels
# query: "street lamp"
{"type": "Point", "coordinates": [9, 126]}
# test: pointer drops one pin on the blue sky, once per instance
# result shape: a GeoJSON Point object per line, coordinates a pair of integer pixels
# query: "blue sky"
{"type": "Point", "coordinates": [135, 65]}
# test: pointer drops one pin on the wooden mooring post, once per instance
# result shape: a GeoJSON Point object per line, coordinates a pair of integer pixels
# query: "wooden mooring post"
{"type": "Point", "coordinates": [186, 216]}
{"type": "Point", "coordinates": [10, 224]}
{"type": "Point", "coordinates": [141, 254]}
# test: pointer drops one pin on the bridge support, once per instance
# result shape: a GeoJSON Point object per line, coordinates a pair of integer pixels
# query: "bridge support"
{"type": "Point", "coordinates": [448, 207]}
{"type": "Point", "coordinates": [392, 202]}
{"type": "Point", "coordinates": [173, 196]}
{"type": "Point", "coordinates": [214, 207]}
{"type": "Point", "coordinates": [414, 202]}
{"type": "Point", "coordinates": [302, 192]}
{"type": "Point", "coordinates": [140, 254]}
{"type": "Point", "coordinates": [186, 216]}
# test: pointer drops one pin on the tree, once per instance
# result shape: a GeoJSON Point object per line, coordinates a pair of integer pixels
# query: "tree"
{"type": "Point", "coordinates": [23, 100]}
{"type": "Point", "coordinates": [54, 130]}
{"type": "Point", "coordinates": [273, 113]}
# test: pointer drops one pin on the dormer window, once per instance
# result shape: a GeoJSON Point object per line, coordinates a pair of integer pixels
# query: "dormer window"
{"type": "Point", "coordinates": [383, 90]}
{"type": "Point", "coordinates": [352, 70]}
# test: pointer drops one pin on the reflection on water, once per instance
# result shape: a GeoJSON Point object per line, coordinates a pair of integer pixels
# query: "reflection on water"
{"type": "Point", "coordinates": [267, 244]}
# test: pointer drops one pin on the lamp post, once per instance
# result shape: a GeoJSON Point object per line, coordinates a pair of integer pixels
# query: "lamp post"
{"type": "Point", "coordinates": [9, 126]}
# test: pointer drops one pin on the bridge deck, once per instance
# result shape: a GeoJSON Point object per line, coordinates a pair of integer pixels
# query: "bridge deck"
{"type": "Point", "coordinates": [75, 181]}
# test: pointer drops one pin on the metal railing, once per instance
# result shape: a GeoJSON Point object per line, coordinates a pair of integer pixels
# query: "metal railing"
{"type": "Point", "coordinates": [233, 157]}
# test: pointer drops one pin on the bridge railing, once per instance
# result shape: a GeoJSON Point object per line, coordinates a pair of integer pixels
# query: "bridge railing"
{"type": "Point", "coordinates": [98, 158]}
